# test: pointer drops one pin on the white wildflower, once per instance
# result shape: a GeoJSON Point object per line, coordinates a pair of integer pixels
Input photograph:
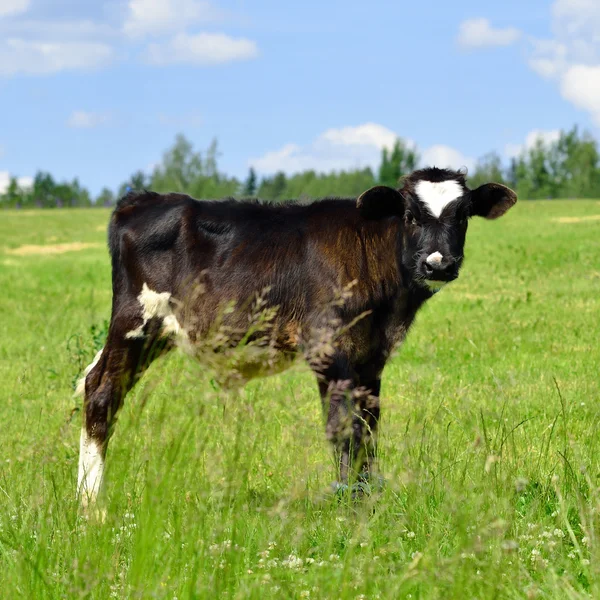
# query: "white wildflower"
{"type": "Point", "coordinates": [509, 545]}
{"type": "Point", "coordinates": [293, 562]}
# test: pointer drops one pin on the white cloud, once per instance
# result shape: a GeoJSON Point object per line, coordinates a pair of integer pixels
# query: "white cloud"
{"type": "Point", "coordinates": [549, 58]}
{"type": "Point", "coordinates": [445, 157]}
{"type": "Point", "coordinates": [576, 18]}
{"type": "Point", "coordinates": [350, 148]}
{"type": "Point", "coordinates": [581, 86]}
{"type": "Point", "coordinates": [478, 33]}
{"type": "Point", "coordinates": [546, 136]}
{"type": "Point", "coordinates": [13, 7]}
{"type": "Point", "coordinates": [320, 157]}
{"type": "Point", "coordinates": [58, 30]}
{"type": "Point", "coordinates": [572, 57]}
{"type": "Point", "coordinates": [80, 119]}
{"type": "Point", "coordinates": [369, 134]}
{"type": "Point", "coordinates": [290, 158]}
{"type": "Point", "coordinates": [202, 49]}
{"type": "Point", "coordinates": [333, 150]}
{"type": "Point", "coordinates": [36, 58]}
{"type": "Point", "coordinates": [23, 182]}
{"type": "Point", "coordinates": [160, 16]}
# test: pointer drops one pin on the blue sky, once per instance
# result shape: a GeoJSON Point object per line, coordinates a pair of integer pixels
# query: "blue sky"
{"type": "Point", "coordinates": [98, 89]}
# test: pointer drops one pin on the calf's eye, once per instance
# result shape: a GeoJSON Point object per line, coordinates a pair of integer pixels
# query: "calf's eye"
{"type": "Point", "coordinates": [410, 219]}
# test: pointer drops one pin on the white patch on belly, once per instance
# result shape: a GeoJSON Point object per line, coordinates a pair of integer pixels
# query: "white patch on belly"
{"type": "Point", "coordinates": [80, 389]}
{"type": "Point", "coordinates": [436, 195]}
{"type": "Point", "coordinates": [158, 305]}
{"type": "Point", "coordinates": [91, 469]}
{"type": "Point", "coordinates": [434, 259]}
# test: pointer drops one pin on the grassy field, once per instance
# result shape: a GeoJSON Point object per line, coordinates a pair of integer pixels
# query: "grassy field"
{"type": "Point", "coordinates": [490, 442]}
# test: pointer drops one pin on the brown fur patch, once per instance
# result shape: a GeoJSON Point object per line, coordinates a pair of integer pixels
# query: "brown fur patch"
{"type": "Point", "coordinates": [291, 333]}
{"type": "Point", "coordinates": [577, 219]}
{"type": "Point", "coordinates": [35, 250]}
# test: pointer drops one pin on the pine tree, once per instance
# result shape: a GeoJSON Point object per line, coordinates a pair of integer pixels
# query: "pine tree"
{"type": "Point", "coordinates": [401, 161]}
{"type": "Point", "coordinates": [250, 185]}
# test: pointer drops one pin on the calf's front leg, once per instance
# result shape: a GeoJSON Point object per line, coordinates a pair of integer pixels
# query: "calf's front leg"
{"type": "Point", "coordinates": [344, 421]}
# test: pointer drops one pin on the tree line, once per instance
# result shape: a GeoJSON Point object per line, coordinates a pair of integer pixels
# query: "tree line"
{"type": "Point", "coordinates": [566, 168]}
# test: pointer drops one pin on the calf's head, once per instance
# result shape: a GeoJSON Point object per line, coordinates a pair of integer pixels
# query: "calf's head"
{"type": "Point", "coordinates": [434, 207]}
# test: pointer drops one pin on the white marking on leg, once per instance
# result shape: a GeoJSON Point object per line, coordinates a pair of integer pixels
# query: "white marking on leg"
{"type": "Point", "coordinates": [434, 259]}
{"type": "Point", "coordinates": [436, 195]}
{"type": "Point", "coordinates": [80, 388]}
{"type": "Point", "coordinates": [91, 469]}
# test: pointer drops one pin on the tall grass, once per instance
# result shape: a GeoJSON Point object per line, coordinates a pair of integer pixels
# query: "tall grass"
{"type": "Point", "coordinates": [489, 441]}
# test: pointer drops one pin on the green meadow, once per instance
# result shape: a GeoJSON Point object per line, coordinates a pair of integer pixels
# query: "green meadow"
{"type": "Point", "coordinates": [490, 441]}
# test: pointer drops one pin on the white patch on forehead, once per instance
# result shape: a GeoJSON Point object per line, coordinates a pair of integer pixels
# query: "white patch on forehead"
{"type": "Point", "coordinates": [436, 195]}
{"type": "Point", "coordinates": [91, 469]}
{"type": "Point", "coordinates": [158, 305]}
{"type": "Point", "coordinates": [434, 259]}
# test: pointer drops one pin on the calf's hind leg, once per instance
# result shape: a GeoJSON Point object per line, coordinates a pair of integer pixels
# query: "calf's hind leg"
{"type": "Point", "coordinates": [107, 380]}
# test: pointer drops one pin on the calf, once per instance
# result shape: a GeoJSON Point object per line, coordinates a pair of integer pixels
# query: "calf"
{"type": "Point", "coordinates": [340, 281]}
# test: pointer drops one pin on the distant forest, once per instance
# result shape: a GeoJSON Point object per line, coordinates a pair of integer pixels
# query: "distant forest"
{"type": "Point", "coordinates": [566, 168]}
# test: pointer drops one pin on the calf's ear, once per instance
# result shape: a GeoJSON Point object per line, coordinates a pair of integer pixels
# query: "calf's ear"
{"type": "Point", "coordinates": [491, 200]}
{"type": "Point", "coordinates": [379, 202]}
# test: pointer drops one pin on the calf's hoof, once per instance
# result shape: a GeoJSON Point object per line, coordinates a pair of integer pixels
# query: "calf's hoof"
{"type": "Point", "coordinates": [375, 481]}
{"type": "Point", "coordinates": [363, 487]}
